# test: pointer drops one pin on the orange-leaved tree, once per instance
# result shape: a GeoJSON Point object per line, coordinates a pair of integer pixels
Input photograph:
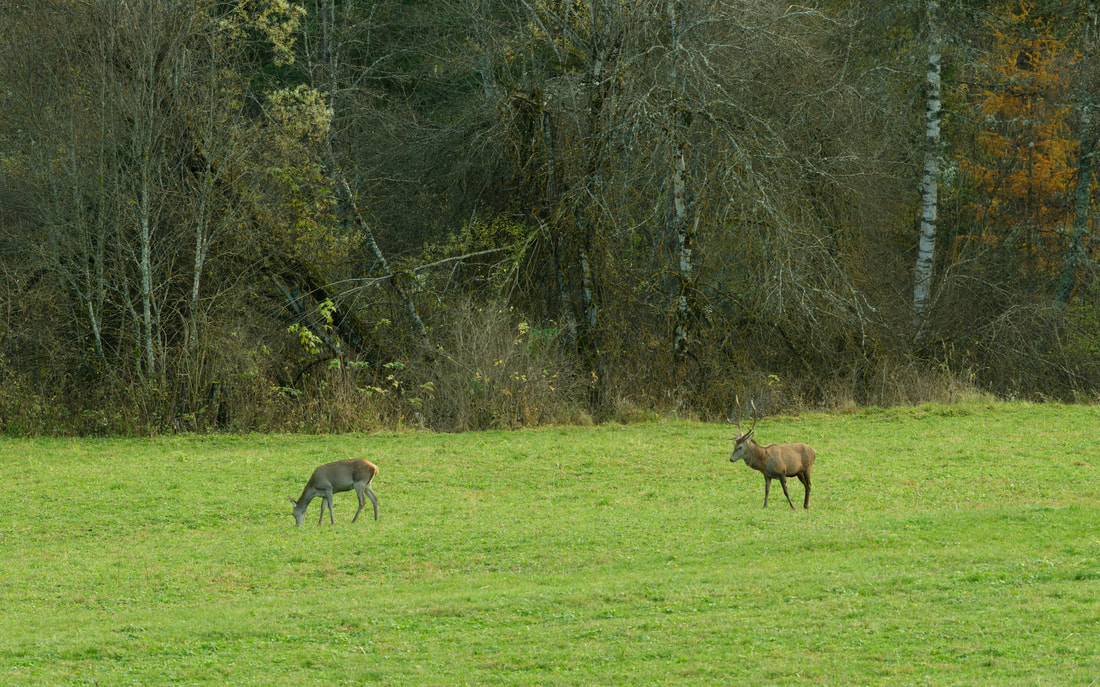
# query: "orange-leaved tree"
{"type": "Point", "coordinates": [1022, 164]}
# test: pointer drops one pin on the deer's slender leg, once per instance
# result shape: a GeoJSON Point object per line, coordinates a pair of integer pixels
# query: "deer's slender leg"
{"type": "Point", "coordinates": [783, 483]}
{"type": "Point", "coordinates": [328, 499]}
{"type": "Point", "coordinates": [805, 479]}
{"type": "Point", "coordinates": [373, 499]}
{"type": "Point", "coordinates": [362, 500]}
{"type": "Point", "coordinates": [767, 488]}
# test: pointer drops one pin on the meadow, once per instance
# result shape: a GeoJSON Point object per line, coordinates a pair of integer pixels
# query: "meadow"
{"type": "Point", "coordinates": [944, 545]}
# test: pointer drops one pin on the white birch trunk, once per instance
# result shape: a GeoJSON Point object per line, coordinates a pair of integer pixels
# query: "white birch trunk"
{"type": "Point", "coordinates": [145, 135]}
{"type": "Point", "coordinates": [147, 274]}
{"type": "Point", "coordinates": [933, 146]}
{"type": "Point", "coordinates": [202, 242]}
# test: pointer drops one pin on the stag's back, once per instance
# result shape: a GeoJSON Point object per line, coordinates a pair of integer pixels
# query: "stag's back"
{"type": "Point", "coordinates": [789, 459]}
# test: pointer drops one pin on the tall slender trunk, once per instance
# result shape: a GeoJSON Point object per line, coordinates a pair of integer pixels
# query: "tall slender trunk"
{"type": "Point", "coordinates": [683, 230]}
{"type": "Point", "coordinates": [587, 226]}
{"type": "Point", "coordinates": [329, 53]}
{"type": "Point", "coordinates": [591, 308]}
{"type": "Point", "coordinates": [602, 53]}
{"type": "Point", "coordinates": [933, 148]}
{"type": "Point", "coordinates": [155, 80]}
{"type": "Point", "coordinates": [685, 241]}
{"type": "Point", "coordinates": [551, 198]}
{"type": "Point", "coordinates": [1075, 254]}
{"type": "Point", "coordinates": [203, 232]}
{"type": "Point", "coordinates": [146, 230]}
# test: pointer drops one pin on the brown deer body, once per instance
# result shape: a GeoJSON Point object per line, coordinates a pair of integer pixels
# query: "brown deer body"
{"type": "Point", "coordinates": [343, 475]}
{"type": "Point", "coordinates": [775, 461]}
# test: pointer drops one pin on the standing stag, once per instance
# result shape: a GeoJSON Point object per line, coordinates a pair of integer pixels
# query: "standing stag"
{"type": "Point", "coordinates": [778, 461]}
{"type": "Point", "coordinates": [343, 475]}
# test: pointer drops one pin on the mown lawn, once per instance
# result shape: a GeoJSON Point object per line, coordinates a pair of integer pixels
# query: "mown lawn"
{"type": "Point", "coordinates": [944, 545]}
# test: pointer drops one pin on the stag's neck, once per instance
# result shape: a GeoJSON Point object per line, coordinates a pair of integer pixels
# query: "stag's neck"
{"type": "Point", "coordinates": [756, 456]}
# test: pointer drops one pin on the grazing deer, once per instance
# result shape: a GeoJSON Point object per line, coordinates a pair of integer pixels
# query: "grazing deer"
{"type": "Point", "coordinates": [343, 475]}
{"type": "Point", "coordinates": [778, 461]}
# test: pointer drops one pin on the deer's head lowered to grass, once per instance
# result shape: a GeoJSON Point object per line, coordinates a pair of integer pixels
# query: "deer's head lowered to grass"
{"type": "Point", "coordinates": [778, 461]}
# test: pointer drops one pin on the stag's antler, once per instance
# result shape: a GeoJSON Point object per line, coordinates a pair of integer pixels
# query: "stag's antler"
{"type": "Point", "coordinates": [742, 434]}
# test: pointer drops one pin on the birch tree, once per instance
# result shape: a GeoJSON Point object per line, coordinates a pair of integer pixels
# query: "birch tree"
{"type": "Point", "coordinates": [933, 152]}
{"type": "Point", "coordinates": [138, 153]}
{"type": "Point", "coordinates": [110, 168]}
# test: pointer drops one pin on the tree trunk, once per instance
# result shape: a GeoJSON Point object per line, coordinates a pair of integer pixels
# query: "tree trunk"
{"type": "Point", "coordinates": [604, 43]}
{"type": "Point", "coordinates": [1085, 160]}
{"type": "Point", "coordinates": [147, 282]}
{"type": "Point", "coordinates": [933, 148]}
{"type": "Point", "coordinates": [685, 240]}
{"type": "Point", "coordinates": [1076, 250]}
{"type": "Point", "coordinates": [681, 228]}
{"type": "Point", "coordinates": [551, 200]}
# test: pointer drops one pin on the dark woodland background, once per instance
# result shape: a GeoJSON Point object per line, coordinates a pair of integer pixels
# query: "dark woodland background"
{"type": "Point", "coordinates": [335, 215]}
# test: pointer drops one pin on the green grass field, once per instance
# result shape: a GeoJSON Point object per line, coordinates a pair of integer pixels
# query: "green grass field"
{"type": "Point", "coordinates": [955, 545]}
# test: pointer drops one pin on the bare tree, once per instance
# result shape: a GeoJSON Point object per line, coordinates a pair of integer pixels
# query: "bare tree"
{"type": "Point", "coordinates": [138, 151]}
{"type": "Point", "coordinates": [108, 166]}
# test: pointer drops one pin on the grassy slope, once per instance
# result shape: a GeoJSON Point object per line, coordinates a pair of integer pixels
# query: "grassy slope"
{"type": "Point", "coordinates": [944, 545]}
